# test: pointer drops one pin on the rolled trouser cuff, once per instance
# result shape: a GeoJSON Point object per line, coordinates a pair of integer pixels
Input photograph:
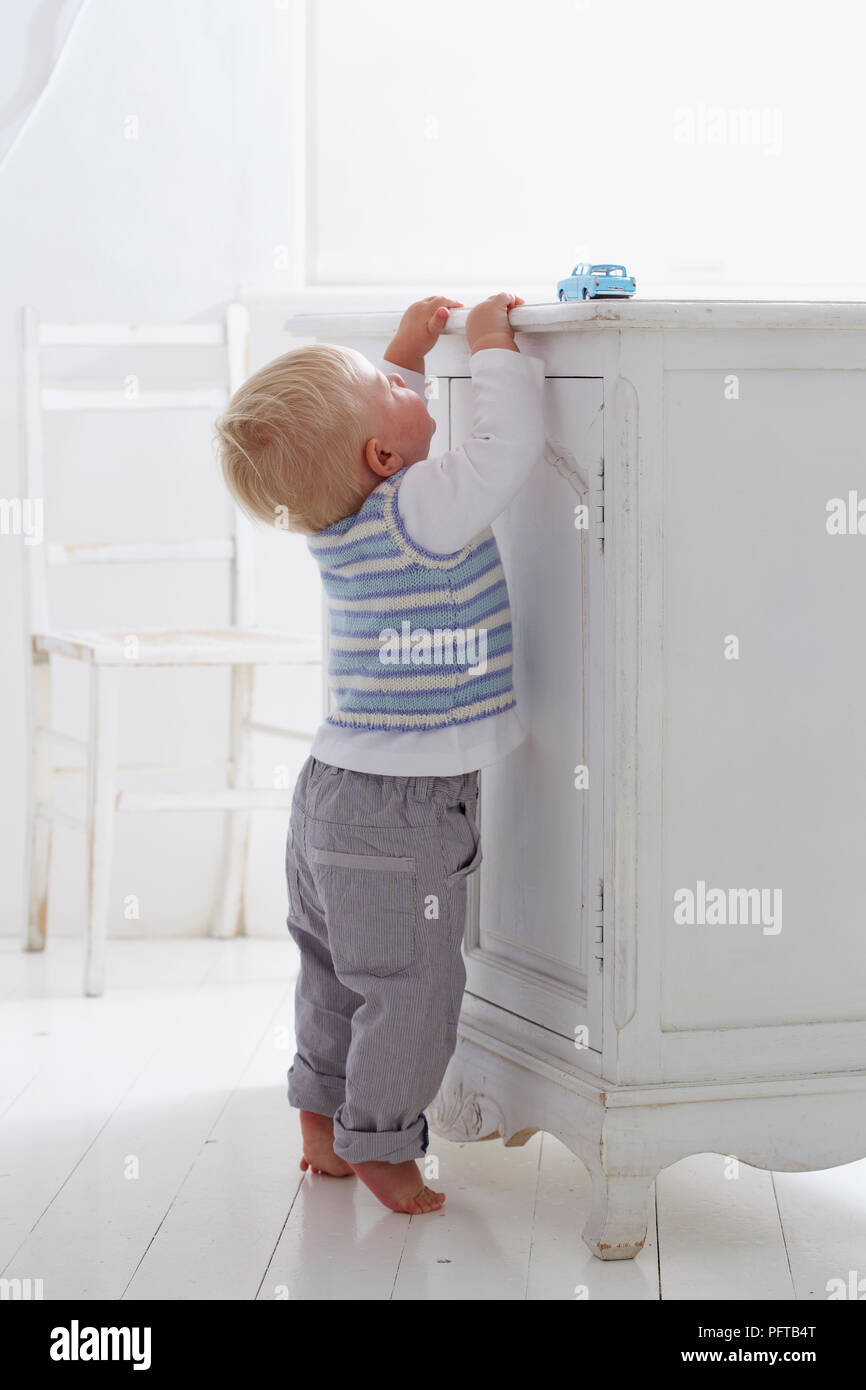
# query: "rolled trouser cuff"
{"type": "Point", "coordinates": [309, 1090]}
{"type": "Point", "coordinates": [383, 1146]}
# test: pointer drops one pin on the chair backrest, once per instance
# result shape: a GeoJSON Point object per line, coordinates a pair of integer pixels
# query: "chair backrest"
{"type": "Point", "coordinates": [232, 334]}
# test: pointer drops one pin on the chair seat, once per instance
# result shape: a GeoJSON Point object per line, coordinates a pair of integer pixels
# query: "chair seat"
{"type": "Point", "coordinates": [188, 647]}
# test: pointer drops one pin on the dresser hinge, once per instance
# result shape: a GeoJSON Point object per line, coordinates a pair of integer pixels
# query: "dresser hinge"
{"type": "Point", "coordinates": [598, 506]}
{"type": "Point", "coordinates": [598, 922]}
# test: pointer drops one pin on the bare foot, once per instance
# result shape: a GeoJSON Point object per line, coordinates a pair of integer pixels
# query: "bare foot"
{"type": "Point", "coordinates": [319, 1156]}
{"type": "Point", "coordinates": [399, 1186]}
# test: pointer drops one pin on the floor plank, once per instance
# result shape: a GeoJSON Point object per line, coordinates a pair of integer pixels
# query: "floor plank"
{"type": "Point", "coordinates": [481, 1237]}
{"type": "Point", "coordinates": [720, 1237]}
{"type": "Point", "coordinates": [824, 1220]}
{"type": "Point", "coordinates": [138, 1079]}
{"type": "Point", "coordinates": [338, 1244]}
{"type": "Point", "coordinates": [225, 1221]}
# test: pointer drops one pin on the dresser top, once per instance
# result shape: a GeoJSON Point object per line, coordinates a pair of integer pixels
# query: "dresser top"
{"type": "Point", "coordinates": [618, 314]}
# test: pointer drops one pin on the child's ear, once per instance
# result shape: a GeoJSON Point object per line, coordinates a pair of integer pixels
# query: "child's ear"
{"type": "Point", "coordinates": [382, 461]}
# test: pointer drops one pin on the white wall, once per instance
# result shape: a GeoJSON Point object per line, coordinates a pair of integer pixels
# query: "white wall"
{"type": "Point", "coordinates": [711, 148]}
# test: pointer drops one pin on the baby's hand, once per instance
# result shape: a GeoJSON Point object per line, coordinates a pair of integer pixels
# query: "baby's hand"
{"type": "Point", "coordinates": [419, 329]}
{"type": "Point", "coordinates": [487, 324]}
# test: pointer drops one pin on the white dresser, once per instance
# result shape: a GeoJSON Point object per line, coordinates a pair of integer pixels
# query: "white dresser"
{"type": "Point", "coordinates": [666, 944]}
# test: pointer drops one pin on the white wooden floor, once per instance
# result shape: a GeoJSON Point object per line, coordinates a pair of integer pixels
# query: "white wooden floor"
{"type": "Point", "coordinates": [147, 1151]}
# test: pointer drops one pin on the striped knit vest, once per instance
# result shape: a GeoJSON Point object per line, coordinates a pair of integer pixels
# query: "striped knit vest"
{"type": "Point", "coordinates": [419, 641]}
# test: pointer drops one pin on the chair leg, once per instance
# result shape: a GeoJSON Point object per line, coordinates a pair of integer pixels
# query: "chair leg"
{"type": "Point", "coordinates": [102, 776]}
{"type": "Point", "coordinates": [40, 798]}
{"type": "Point", "coordinates": [228, 915]}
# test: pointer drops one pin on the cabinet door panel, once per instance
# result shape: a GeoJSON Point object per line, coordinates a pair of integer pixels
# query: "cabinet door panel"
{"type": "Point", "coordinates": [529, 938]}
{"type": "Point", "coordinates": [764, 754]}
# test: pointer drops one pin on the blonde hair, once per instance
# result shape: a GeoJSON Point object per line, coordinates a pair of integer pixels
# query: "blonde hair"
{"type": "Point", "coordinates": [291, 438]}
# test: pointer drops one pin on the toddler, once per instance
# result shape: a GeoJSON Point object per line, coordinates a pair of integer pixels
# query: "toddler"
{"type": "Point", "coordinates": [383, 829]}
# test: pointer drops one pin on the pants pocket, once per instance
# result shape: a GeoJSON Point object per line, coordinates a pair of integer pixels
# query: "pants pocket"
{"type": "Point", "coordinates": [466, 840]}
{"type": "Point", "coordinates": [369, 903]}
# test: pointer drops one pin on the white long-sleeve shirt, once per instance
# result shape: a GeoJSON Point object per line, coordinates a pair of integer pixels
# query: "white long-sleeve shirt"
{"type": "Point", "coordinates": [444, 502]}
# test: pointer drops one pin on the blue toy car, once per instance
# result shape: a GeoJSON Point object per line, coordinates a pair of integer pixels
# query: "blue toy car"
{"type": "Point", "coordinates": [596, 281]}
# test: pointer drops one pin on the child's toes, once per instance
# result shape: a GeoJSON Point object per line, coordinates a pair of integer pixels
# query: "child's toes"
{"type": "Point", "coordinates": [427, 1200]}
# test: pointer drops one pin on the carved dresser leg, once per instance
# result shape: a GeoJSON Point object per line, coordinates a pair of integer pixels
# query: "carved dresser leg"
{"type": "Point", "coordinates": [616, 1229]}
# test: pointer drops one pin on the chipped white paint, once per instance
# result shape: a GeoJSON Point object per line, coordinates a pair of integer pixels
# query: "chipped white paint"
{"type": "Point", "coordinates": [41, 796]}
{"type": "Point", "coordinates": [618, 315]}
{"type": "Point", "coordinates": [132, 334]}
{"type": "Point", "coordinates": [140, 553]}
{"type": "Point", "coordinates": [71, 398]}
{"type": "Point", "coordinates": [101, 783]}
{"type": "Point", "coordinates": [228, 910]}
{"type": "Point", "coordinates": [211, 647]}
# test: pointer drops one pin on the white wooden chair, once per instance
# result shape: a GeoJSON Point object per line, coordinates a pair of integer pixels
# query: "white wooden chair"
{"type": "Point", "coordinates": [239, 646]}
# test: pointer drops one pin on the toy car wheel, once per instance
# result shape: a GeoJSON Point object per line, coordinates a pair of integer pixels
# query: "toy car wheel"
{"type": "Point", "coordinates": [562, 297]}
{"type": "Point", "coordinates": [586, 294]}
